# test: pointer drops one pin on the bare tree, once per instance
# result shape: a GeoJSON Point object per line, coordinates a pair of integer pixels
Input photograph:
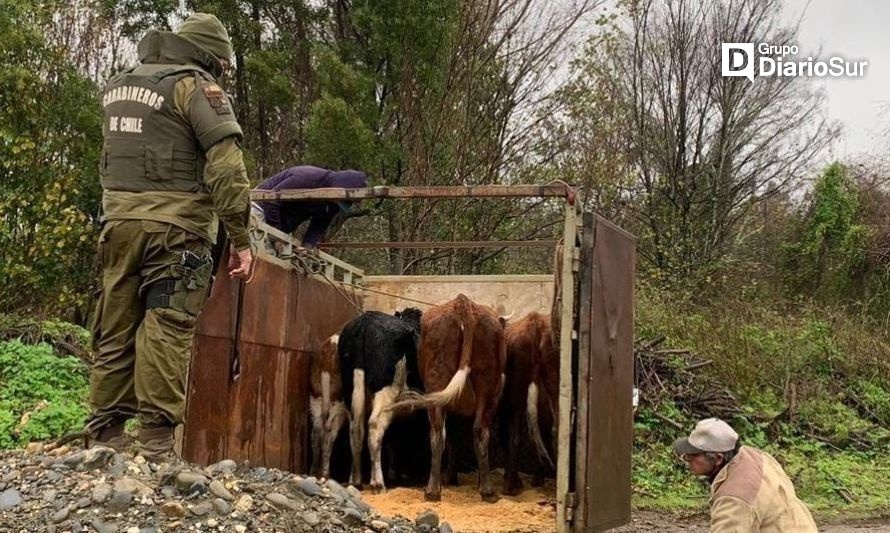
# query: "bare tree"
{"type": "Point", "coordinates": [703, 149]}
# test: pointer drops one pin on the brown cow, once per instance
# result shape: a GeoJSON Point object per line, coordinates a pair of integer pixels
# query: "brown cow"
{"type": "Point", "coordinates": [326, 405]}
{"type": "Point", "coordinates": [532, 381]}
{"type": "Point", "coordinates": [460, 342]}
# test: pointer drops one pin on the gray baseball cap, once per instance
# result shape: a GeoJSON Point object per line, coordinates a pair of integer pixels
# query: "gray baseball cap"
{"type": "Point", "coordinates": [709, 435]}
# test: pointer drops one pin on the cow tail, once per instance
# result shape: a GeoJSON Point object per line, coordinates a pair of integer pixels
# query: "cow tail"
{"type": "Point", "coordinates": [534, 428]}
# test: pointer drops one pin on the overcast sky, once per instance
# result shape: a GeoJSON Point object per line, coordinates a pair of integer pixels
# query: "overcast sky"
{"type": "Point", "coordinates": [855, 29]}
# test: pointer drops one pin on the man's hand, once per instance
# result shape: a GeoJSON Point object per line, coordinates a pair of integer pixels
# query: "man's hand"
{"type": "Point", "coordinates": [239, 262]}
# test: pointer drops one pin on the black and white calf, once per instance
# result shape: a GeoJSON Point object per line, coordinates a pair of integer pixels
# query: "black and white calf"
{"type": "Point", "coordinates": [378, 361]}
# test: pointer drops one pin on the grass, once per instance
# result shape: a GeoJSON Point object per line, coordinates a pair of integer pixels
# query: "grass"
{"type": "Point", "coordinates": [814, 385]}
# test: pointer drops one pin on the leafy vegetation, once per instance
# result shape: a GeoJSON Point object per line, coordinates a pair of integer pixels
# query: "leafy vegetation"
{"type": "Point", "coordinates": [813, 385]}
{"type": "Point", "coordinates": [42, 395]}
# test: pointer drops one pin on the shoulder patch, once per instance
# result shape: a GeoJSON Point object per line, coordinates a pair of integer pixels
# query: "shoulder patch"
{"type": "Point", "coordinates": [217, 98]}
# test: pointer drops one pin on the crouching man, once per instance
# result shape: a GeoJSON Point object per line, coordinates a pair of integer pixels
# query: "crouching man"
{"type": "Point", "coordinates": [750, 491]}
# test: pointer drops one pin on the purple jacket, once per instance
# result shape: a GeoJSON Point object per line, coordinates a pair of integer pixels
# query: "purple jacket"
{"type": "Point", "coordinates": [287, 216]}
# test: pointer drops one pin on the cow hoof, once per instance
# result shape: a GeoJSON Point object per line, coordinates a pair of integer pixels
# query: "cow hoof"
{"type": "Point", "coordinates": [430, 497]}
{"type": "Point", "coordinates": [376, 488]}
{"type": "Point", "coordinates": [513, 488]}
{"type": "Point", "coordinates": [490, 498]}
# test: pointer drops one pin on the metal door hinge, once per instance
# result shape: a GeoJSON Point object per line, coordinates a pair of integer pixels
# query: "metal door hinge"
{"type": "Point", "coordinates": [571, 503]}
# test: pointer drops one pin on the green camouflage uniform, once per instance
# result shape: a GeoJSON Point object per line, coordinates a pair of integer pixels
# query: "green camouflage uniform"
{"type": "Point", "coordinates": [171, 170]}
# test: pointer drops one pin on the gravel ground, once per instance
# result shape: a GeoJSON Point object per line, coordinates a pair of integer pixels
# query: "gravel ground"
{"type": "Point", "coordinates": [70, 489]}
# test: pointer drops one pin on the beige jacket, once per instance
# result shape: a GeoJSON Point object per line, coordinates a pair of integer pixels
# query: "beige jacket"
{"type": "Point", "coordinates": [753, 494]}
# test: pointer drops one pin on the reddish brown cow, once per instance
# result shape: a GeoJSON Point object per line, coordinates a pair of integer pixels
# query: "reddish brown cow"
{"type": "Point", "coordinates": [326, 405]}
{"type": "Point", "coordinates": [461, 342]}
{"type": "Point", "coordinates": [532, 380]}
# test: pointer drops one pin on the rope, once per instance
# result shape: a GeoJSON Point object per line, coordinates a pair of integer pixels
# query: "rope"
{"type": "Point", "coordinates": [392, 295]}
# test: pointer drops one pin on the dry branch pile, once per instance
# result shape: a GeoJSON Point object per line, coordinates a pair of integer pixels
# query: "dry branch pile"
{"type": "Point", "coordinates": [675, 376]}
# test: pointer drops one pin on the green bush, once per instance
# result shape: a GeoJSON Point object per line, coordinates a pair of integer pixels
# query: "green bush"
{"type": "Point", "coordinates": [42, 396]}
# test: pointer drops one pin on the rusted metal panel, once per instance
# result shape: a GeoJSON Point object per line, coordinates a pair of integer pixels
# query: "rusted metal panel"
{"type": "Point", "coordinates": [607, 391]}
{"type": "Point", "coordinates": [478, 191]}
{"type": "Point", "coordinates": [259, 413]}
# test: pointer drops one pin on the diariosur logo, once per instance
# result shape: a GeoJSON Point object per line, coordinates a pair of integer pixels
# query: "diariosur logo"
{"type": "Point", "coordinates": [738, 59]}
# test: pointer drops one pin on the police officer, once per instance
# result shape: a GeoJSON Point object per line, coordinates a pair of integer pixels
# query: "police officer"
{"type": "Point", "coordinates": [171, 170]}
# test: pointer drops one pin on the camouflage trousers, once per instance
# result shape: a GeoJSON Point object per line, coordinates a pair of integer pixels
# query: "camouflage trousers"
{"type": "Point", "coordinates": [154, 282]}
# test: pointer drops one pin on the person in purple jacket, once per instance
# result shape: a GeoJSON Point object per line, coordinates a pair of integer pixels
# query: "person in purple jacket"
{"type": "Point", "coordinates": [287, 216]}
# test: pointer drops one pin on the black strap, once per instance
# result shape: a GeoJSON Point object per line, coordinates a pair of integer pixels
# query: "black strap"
{"type": "Point", "coordinates": [159, 293]}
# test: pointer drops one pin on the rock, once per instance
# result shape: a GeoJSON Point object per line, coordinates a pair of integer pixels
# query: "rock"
{"type": "Point", "coordinates": [102, 527]}
{"type": "Point", "coordinates": [83, 503]}
{"type": "Point", "coordinates": [240, 529]}
{"type": "Point", "coordinates": [379, 525]}
{"type": "Point", "coordinates": [202, 509]}
{"type": "Point", "coordinates": [311, 518]}
{"type": "Point", "coordinates": [119, 502]}
{"type": "Point", "coordinates": [220, 491]}
{"type": "Point", "coordinates": [360, 505]}
{"type": "Point", "coordinates": [213, 522]}
{"type": "Point", "coordinates": [352, 518]}
{"type": "Point", "coordinates": [60, 451]}
{"type": "Point", "coordinates": [445, 528]}
{"type": "Point", "coordinates": [133, 529]}
{"type": "Point", "coordinates": [281, 501]}
{"type": "Point", "coordinates": [174, 510]}
{"type": "Point", "coordinates": [61, 515]}
{"type": "Point", "coordinates": [428, 517]}
{"type": "Point", "coordinates": [9, 498]}
{"type": "Point", "coordinates": [189, 482]}
{"type": "Point", "coordinates": [53, 476]}
{"type": "Point", "coordinates": [58, 504]}
{"type": "Point", "coordinates": [50, 496]}
{"type": "Point", "coordinates": [148, 529]}
{"type": "Point", "coordinates": [244, 503]}
{"type": "Point", "coordinates": [133, 486]}
{"type": "Point", "coordinates": [354, 493]}
{"type": "Point", "coordinates": [34, 448]}
{"type": "Point", "coordinates": [222, 507]}
{"type": "Point", "coordinates": [74, 460]}
{"type": "Point", "coordinates": [307, 487]}
{"type": "Point", "coordinates": [101, 492]}
{"type": "Point", "coordinates": [118, 469]}
{"type": "Point", "coordinates": [225, 467]}
{"type": "Point", "coordinates": [96, 457]}
{"type": "Point", "coordinates": [11, 476]}
{"type": "Point", "coordinates": [337, 489]}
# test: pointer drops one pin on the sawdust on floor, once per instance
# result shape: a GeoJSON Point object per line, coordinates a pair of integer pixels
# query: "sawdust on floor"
{"type": "Point", "coordinates": [532, 511]}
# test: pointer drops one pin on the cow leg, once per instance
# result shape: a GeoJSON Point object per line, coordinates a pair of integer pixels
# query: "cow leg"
{"type": "Point", "coordinates": [357, 426]}
{"type": "Point", "coordinates": [512, 482]}
{"type": "Point", "coordinates": [451, 473]}
{"type": "Point", "coordinates": [317, 431]}
{"type": "Point", "coordinates": [381, 416]}
{"type": "Point", "coordinates": [485, 414]}
{"type": "Point", "coordinates": [433, 492]}
{"type": "Point", "coordinates": [335, 421]}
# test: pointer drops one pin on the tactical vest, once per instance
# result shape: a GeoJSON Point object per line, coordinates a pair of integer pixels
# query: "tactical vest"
{"type": "Point", "coordinates": [148, 145]}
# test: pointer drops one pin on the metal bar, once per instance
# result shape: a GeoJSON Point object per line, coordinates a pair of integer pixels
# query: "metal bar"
{"type": "Point", "coordinates": [477, 191]}
{"type": "Point", "coordinates": [563, 453]}
{"type": "Point", "coordinates": [441, 244]}
{"type": "Point", "coordinates": [330, 259]}
{"type": "Point", "coordinates": [585, 310]}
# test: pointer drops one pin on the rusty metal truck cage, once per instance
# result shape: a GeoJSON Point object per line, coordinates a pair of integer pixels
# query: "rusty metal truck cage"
{"type": "Point", "coordinates": [245, 346]}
